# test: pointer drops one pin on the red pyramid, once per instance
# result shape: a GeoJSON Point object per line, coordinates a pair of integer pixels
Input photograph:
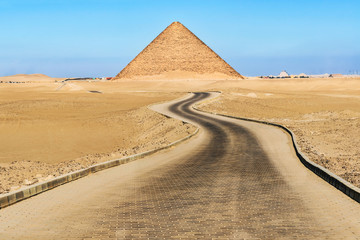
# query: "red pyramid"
{"type": "Point", "coordinates": [177, 52]}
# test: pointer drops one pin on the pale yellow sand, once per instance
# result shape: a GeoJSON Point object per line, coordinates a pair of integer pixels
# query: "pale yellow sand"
{"type": "Point", "coordinates": [30, 78]}
{"type": "Point", "coordinates": [324, 115]}
{"type": "Point", "coordinates": [50, 130]}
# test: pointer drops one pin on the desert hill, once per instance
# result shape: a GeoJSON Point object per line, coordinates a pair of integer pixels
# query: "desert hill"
{"type": "Point", "coordinates": [177, 53]}
{"type": "Point", "coordinates": [37, 77]}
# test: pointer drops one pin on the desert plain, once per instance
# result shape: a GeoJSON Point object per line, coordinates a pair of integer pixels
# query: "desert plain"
{"type": "Point", "coordinates": [49, 128]}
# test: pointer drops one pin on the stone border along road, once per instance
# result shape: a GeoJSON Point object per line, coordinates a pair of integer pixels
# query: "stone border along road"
{"type": "Point", "coordinates": [234, 180]}
{"type": "Point", "coordinates": [336, 181]}
{"type": "Point", "coordinates": [33, 190]}
{"type": "Point", "coordinates": [339, 183]}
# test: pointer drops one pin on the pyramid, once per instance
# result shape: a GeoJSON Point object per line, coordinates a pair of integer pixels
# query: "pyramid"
{"type": "Point", "coordinates": [177, 53]}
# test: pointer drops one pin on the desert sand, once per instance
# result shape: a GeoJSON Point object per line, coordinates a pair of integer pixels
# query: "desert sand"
{"type": "Point", "coordinates": [29, 78]}
{"type": "Point", "coordinates": [51, 130]}
{"type": "Point", "coordinates": [47, 131]}
{"type": "Point", "coordinates": [324, 114]}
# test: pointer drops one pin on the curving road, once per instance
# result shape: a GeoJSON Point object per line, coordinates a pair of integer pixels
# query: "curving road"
{"type": "Point", "coordinates": [234, 180]}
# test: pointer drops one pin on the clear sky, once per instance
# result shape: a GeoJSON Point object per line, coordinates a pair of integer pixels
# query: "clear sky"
{"type": "Point", "coordinates": [79, 38]}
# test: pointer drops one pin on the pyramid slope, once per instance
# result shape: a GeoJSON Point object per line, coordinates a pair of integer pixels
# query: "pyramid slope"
{"type": "Point", "coordinates": [177, 50]}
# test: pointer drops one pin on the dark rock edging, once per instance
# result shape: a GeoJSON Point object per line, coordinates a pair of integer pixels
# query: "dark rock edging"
{"type": "Point", "coordinates": [33, 190]}
{"type": "Point", "coordinates": [341, 184]}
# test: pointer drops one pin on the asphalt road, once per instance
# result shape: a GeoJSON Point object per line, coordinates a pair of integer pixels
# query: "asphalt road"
{"type": "Point", "coordinates": [235, 180]}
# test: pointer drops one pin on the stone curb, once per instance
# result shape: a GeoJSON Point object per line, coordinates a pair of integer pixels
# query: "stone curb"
{"type": "Point", "coordinates": [12, 198]}
{"type": "Point", "coordinates": [336, 181]}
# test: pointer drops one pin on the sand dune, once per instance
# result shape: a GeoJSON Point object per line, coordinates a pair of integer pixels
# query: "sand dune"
{"type": "Point", "coordinates": [33, 78]}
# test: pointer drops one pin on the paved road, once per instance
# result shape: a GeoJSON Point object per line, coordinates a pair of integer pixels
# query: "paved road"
{"type": "Point", "coordinates": [235, 180]}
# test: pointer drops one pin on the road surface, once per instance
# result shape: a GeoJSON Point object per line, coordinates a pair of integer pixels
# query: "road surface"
{"type": "Point", "coordinates": [234, 180]}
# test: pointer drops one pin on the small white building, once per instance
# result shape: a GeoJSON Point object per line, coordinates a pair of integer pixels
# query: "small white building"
{"type": "Point", "coordinates": [284, 74]}
{"type": "Point", "coordinates": [326, 75]}
{"type": "Point", "coordinates": [303, 75]}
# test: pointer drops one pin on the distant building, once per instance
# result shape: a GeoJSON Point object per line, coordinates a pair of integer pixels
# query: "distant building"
{"type": "Point", "coordinates": [336, 75]}
{"type": "Point", "coordinates": [352, 76]}
{"type": "Point", "coordinates": [325, 75]}
{"type": "Point", "coordinates": [284, 74]}
{"type": "Point", "coordinates": [303, 75]}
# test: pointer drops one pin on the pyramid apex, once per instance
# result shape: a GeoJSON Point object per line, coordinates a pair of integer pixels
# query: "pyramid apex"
{"type": "Point", "coordinates": [175, 23]}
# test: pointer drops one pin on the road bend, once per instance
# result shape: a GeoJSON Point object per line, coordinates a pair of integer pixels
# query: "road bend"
{"type": "Point", "coordinates": [234, 180]}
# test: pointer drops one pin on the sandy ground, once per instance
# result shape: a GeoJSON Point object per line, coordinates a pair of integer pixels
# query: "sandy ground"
{"type": "Point", "coordinates": [54, 128]}
{"type": "Point", "coordinates": [30, 78]}
{"type": "Point", "coordinates": [323, 114]}
{"type": "Point", "coordinates": [200, 181]}
{"type": "Point", "coordinates": [47, 132]}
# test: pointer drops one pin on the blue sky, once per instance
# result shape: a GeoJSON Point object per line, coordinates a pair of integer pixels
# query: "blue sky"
{"type": "Point", "coordinates": [79, 38]}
